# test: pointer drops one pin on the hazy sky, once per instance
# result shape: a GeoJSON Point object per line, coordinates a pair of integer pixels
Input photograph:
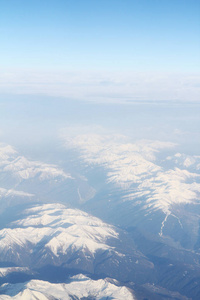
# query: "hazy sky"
{"type": "Point", "coordinates": [159, 39]}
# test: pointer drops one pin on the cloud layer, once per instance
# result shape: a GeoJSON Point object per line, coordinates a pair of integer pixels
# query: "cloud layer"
{"type": "Point", "coordinates": [118, 87]}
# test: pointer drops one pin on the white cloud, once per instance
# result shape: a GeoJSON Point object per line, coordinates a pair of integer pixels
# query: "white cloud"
{"type": "Point", "coordinates": [103, 87]}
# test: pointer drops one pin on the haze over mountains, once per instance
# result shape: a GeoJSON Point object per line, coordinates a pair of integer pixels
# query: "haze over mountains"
{"type": "Point", "coordinates": [91, 211]}
{"type": "Point", "coordinates": [99, 150]}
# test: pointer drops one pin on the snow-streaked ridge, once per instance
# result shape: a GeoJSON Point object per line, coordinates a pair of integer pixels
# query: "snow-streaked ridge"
{"type": "Point", "coordinates": [6, 271]}
{"type": "Point", "coordinates": [61, 229]}
{"type": "Point", "coordinates": [12, 192]}
{"type": "Point", "coordinates": [80, 286]}
{"type": "Point", "coordinates": [135, 169]}
{"type": "Point", "coordinates": [22, 168]}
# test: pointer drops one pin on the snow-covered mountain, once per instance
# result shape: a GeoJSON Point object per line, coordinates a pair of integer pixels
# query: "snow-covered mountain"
{"type": "Point", "coordinates": [12, 197]}
{"type": "Point", "coordinates": [134, 167]}
{"type": "Point", "coordinates": [22, 177]}
{"type": "Point", "coordinates": [142, 184]}
{"type": "Point", "coordinates": [79, 287]}
{"type": "Point", "coordinates": [46, 182]}
{"type": "Point", "coordinates": [59, 230]}
{"type": "Point", "coordinates": [55, 220]}
{"type": "Point", "coordinates": [22, 168]}
{"type": "Point", "coordinates": [52, 234]}
{"type": "Point", "coordinates": [184, 160]}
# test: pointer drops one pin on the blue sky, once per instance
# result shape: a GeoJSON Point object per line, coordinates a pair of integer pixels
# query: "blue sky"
{"type": "Point", "coordinates": [149, 36]}
{"type": "Point", "coordinates": [161, 35]}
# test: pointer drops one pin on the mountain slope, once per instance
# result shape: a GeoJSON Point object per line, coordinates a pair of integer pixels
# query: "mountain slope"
{"type": "Point", "coordinates": [52, 234]}
{"type": "Point", "coordinates": [150, 188]}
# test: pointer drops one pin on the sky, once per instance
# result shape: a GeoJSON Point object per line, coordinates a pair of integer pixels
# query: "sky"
{"type": "Point", "coordinates": [101, 50]}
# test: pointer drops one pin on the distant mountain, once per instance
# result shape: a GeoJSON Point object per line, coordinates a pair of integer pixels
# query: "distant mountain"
{"type": "Point", "coordinates": [151, 190]}
{"type": "Point", "coordinates": [153, 193]}
{"type": "Point", "coordinates": [10, 197]}
{"type": "Point", "coordinates": [20, 176]}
